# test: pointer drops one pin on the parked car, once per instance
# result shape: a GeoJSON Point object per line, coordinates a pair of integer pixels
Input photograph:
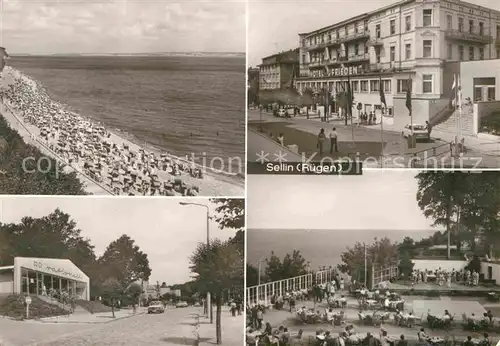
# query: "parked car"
{"type": "Point", "coordinates": [419, 131]}
{"type": "Point", "coordinates": [281, 113]}
{"type": "Point", "coordinates": [156, 307]}
{"type": "Point", "coordinates": [181, 305]}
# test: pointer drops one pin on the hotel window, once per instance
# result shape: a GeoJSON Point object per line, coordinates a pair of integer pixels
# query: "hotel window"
{"type": "Point", "coordinates": [481, 28]}
{"type": "Point", "coordinates": [498, 53]}
{"type": "Point", "coordinates": [408, 51]}
{"type": "Point", "coordinates": [450, 51]}
{"type": "Point", "coordinates": [461, 53]}
{"type": "Point", "coordinates": [356, 50]}
{"type": "Point", "coordinates": [377, 31]}
{"type": "Point", "coordinates": [427, 49]}
{"type": "Point", "coordinates": [498, 32]}
{"type": "Point", "coordinates": [471, 26]}
{"type": "Point", "coordinates": [449, 21]}
{"type": "Point", "coordinates": [355, 29]}
{"type": "Point", "coordinates": [366, 49]}
{"type": "Point", "coordinates": [364, 86]}
{"type": "Point", "coordinates": [408, 23]}
{"type": "Point", "coordinates": [346, 30]}
{"type": "Point", "coordinates": [491, 94]}
{"type": "Point", "coordinates": [374, 85]}
{"type": "Point", "coordinates": [427, 83]}
{"type": "Point", "coordinates": [365, 25]}
{"type": "Point", "coordinates": [355, 86]}
{"type": "Point", "coordinates": [471, 53]}
{"type": "Point", "coordinates": [460, 24]}
{"type": "Point", "coordinates": [393, 26]}
{"type": "Point", "coordinates": [338, 34]}
{"type": "Point", "coordinates": [393, 53]}
{"type": "Point", "coordinates": [387, 86]}
{"type": "Point", "coordinates": [377, 55]}
{"type": "Point", "coordinates": [481, 53]}
{"type": "Point", "coordinates": [402, 85]}
{"type": "Point", "coordinates": [427, 18]}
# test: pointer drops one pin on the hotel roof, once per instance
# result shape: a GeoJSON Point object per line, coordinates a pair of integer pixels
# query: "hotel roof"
{"type": "Point", "coordinates": [385, 8]}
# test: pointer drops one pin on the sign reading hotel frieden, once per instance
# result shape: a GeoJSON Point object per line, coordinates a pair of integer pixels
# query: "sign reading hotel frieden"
{"type": "Point", "coordinates": [56, 271]}
{"type": "Point", "coordinates": [346, 71]}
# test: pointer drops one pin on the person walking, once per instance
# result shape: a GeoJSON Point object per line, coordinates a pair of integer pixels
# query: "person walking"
{"type": "Point", "coordinates": [321, 141]}
{"type": "Point", "coordinates": [333, 141]}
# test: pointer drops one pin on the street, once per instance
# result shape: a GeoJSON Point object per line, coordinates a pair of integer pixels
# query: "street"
{"type": "Point", "coordinates": [174, 327]}
{"type": "Point", "coordinates": [365, 146]}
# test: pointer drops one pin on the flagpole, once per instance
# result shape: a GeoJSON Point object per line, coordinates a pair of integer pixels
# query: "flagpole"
{"type": "Point", "coordinates": [458, 120]}
{"type": "Point", "coordinates": [381, 125]}
{"type": "Point", "coordinates": [366, 265]}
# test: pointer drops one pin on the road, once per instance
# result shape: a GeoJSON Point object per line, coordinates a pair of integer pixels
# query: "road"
{"type": "Point", "coordinates": [366, 145]}
{"type": "Point", "coordinates": [174, 327]}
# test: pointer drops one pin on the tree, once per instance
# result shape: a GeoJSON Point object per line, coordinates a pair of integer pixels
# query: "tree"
{"type": "Point", "coordinates": [134, 291]}
{"type": "Point", "coordinates": [230, 214]}
{"type": "Point", "coordinates": [163, 285]}
{"type": "Point", "coordinates": [381, 253]}
{"type": "Point", "coordinates": [124, 261]}
{"type": "Point", "coordinates": [22, 177]}
{"type": "Point", "coordinates": [112, 291]}
{"type": "Point", "coordinates": [406, 265]}
{"type": "Point", "coordinates": [218, 267]}
{"type": "Point", "coordinates": [465, 203]}
{"type": "Point", "coordinates": [252, 276]}
{"type": "Point", "coordinates": [292, 265]}
{"type": "Point", "coordinates": [54, 235]}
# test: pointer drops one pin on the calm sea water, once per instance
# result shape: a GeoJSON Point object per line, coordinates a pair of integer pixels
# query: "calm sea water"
{"type": "Point", "coordinates": [182, 105]}
{"type": "Point", "coordinates": [319, 247]}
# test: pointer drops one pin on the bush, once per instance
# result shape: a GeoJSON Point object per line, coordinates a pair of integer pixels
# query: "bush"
{"type": "Point", "coordinates": [14, 306]}
{"type": "Point", "coordinates": [16, 181]}
{"type": "Point", "coordinates": [491, 124]}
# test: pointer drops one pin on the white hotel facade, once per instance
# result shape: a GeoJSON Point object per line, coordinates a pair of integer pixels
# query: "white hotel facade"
{"type": "Point", "coordinates": [411, 39]}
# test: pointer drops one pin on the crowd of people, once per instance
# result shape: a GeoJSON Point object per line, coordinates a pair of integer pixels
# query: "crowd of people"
{"type": "Point", "coordinates": [445, 277]}
{"type": "Point", "coordinates": [89, 148]}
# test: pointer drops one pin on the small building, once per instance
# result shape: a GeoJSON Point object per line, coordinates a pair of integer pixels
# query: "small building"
{"type": "Point", "coordinates": [38, 276]}
{"type": "Point", "coordinates": [278, 71]}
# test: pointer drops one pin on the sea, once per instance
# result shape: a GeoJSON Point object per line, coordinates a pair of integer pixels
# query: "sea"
{"type": "Point", "coordinates": [182, 105]}
{"type": "Point", "coordinates": [318, 247]}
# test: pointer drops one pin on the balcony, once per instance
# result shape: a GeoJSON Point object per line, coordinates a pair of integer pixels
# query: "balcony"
{"type": "Point", "coordinates": [374, 42]}
{"type": "Point", "coordinates": [357, 36]}
{"type": "Point", "coordinates": [358, 58]}
{"type": "Point", "coordinates": [317, 63]}
{"type": "Point", "coordinates": [497, 42]}
{"type": "Point", "coordinates": [457, 35]}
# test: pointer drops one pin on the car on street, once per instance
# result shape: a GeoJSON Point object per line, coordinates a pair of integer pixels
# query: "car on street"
{"type": "Point", "coordinates": [196, 304]}
{"type": "Point", "coordinates": [181, 305]}
{"type": "Point", "coordinates": [155, 307]}
{"type": "Point", "coordinates": [419, 131]}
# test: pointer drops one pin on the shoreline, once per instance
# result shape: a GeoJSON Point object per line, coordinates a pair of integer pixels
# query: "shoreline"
{"type": "Point", "coordinates": [213, 183]}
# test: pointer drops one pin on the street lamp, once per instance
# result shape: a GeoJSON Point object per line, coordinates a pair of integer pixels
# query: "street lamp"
{"type": "Point", "coordinates": [260, 270]}
{"type": "Point", "coordinates": [209, 300]}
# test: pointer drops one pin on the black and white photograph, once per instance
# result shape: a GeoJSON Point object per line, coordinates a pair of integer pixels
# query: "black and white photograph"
{"type": "Point", "coordinates": [121, 271]}
{"type": "Point", "coordinates": [400, 257]}
{"type": "Point", "coordinates": [122, 97]}
{"type": "Point", "coordinates": [393, 84]}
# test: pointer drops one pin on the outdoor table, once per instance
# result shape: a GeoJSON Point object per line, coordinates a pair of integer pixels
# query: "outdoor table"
{"type": "Point", "coordinates": [371, 302]}
{"type": "Point", "coordinates": [435, 340]}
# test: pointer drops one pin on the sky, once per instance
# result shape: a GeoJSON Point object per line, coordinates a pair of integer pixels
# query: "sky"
{"type": "Point", "coordinates": [165, 230]}
{"type": "Point", "coordinates": [274, 25]}
{"type": "Point", "coordinates": [122, 26]}
{"type": "Point", "coordinates": [377, 200]}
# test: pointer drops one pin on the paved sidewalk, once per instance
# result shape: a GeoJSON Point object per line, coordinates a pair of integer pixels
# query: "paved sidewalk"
{"type": "Point", "coordinates": [88, 318]}
{"type": "Point", "coordinates": [232, 329]}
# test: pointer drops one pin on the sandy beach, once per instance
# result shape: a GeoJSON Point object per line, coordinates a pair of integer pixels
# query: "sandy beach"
{"type": "Point", "coordinates": [116, 166]}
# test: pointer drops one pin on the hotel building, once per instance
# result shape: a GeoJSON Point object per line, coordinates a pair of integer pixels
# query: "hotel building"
{"type": "Point", "coordinates": [37, 276]}
{"type": "Point", "coordinates": [410, 41]}
{"type": "Point", "coordinates": [279, 70]}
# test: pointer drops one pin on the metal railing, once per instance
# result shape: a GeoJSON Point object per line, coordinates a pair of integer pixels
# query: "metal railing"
{"type": "Point", "coordinates": [467, 36]}
{"type": "Point", "coordinates": [262, 293]}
